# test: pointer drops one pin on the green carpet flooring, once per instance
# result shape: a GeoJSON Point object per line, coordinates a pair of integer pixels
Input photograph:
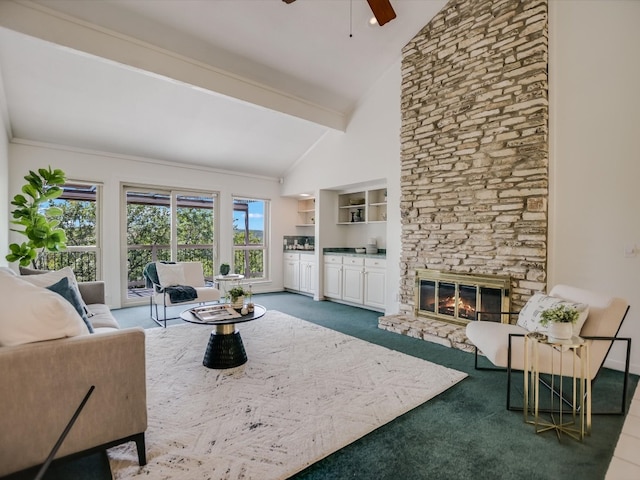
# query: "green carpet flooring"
{"type": "Point", "coordinates": [464, 433]}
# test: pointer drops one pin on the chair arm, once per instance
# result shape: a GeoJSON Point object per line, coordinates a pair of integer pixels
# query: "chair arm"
{"type": "Point", "coordinates": [44, 382]}
{"type": "Point", "coordinates": [92, 292]}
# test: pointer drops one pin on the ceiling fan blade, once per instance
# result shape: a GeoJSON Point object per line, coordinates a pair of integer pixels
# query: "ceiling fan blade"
{"type": "Point", "coordinates": [382, 10]}
{"type": "Point", "coordinates": [288, 1]}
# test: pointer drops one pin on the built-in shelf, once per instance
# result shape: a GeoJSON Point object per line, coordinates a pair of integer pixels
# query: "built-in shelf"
{"type": "Point", "coordinates": [366, 206]}
{"type": "Point", "coordinates": [306, 212]}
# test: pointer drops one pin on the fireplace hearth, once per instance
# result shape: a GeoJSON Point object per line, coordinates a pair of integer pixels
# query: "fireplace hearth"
{"type": "Point", "coordinates": [456, 297]}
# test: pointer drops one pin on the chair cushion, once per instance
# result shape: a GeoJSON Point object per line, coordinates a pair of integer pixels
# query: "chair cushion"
{"type": "Point", "coordinates": [170, 274]}
{"type": "Point", "coordinates": [531, 314]}
{"type": "Point", "coordinates": [205, 294]}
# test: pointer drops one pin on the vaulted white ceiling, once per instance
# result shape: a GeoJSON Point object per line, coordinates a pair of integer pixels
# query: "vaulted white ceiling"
{"type": "Point", "coordinates": [243, 85]}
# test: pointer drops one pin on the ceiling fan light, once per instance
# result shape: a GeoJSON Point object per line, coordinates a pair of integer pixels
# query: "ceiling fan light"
{"type": "Point", "coordinates": [373, 21]}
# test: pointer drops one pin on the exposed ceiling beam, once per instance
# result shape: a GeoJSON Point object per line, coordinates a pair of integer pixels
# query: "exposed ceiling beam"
{"type": "Point", "coordinates": [41, 22]}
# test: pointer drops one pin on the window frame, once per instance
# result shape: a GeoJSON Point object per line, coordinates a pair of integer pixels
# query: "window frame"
{"type": "Point", "coordinates": [264, 246]}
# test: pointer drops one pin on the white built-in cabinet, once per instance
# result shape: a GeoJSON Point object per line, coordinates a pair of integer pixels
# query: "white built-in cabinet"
{"type": "Point", "coordinates": [365, 206]}
{"type": "Point", "coordinates": [291, 271]}
{"type": "Point", "coordinates": [300, 272]}
{"type": "Point", "coordinates": [353, 279]}
{"type": "Point", "coordinates": [308, 274]}
{"type": "Point", "coordinates": [375, 279]}
{"type": "Point", "coordinates": [357, 280]}
{"type": "Point", "coordinates": [333, 276]}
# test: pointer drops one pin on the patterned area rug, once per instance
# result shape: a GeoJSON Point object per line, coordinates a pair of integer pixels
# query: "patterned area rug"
{"type": "Point", "coordinates": [305, 392]}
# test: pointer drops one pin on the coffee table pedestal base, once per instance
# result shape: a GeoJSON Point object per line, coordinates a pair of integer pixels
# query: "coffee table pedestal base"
{"type": "Point", "coordinates": [225, 348]}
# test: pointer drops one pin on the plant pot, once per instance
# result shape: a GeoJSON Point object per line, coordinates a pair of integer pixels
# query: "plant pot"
{"type": "Point", "coordinates": [237, 303]}
{"type": "Point", "coordinates": [224, 269]}
{"type": "Point", "coordinates": [560, 330]}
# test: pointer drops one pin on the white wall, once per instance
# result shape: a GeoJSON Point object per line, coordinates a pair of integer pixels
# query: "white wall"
{"type": "Point", "coordinates": [594, 160]}
{"type": "Point", "coordinates": [4, 189]}
{"type": "Point", "coordinates": [595, 164]}
{"type": "Point", "coordinates": [112, 171]}
{"type": "Point", "coordinates": [369, 151]}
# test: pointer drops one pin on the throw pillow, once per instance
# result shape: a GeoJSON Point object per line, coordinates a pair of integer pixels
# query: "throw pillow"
{"type": "Point", "coordinates": [170, 274]}
{"type": "Point", "coordinates": [71, 295]}
{"type": "Point", "coordinates": [50, 277]}
{"type": "Point", "coordinates": [531, 314]}
{"type": "Point", "coordinates": [34, 314]}
{"type": "Point", "coordinates": [32, 271]}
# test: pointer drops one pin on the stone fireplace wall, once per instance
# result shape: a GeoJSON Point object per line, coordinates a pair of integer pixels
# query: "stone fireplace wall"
{"type": "Point", "coordinates": [474, 138]}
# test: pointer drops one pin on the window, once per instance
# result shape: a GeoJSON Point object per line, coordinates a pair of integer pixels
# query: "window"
{"type": "Point", "coordinates": [80, 221]}
{"type": "Point", "coordinates": [167, 225]}
{"type": "Point", "coordinates": [250, 221]}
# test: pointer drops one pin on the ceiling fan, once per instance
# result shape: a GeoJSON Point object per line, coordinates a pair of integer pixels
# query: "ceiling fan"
{"type": "Point", "coordinates": [382, 10]}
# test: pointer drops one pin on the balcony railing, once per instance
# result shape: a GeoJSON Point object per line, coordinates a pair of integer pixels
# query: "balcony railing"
{"type": "Point", "coordinates": [82, 259]}
{"type": "Point", "coordinates": [84, 262]}
{"type": "Point", "coordinates": [138, 256]}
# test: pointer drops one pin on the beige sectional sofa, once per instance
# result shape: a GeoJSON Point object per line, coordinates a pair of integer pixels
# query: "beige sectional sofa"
{"type": "Point", "coordinates": [44, 382]}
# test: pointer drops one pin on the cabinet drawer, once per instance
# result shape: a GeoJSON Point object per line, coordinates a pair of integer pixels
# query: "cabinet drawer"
{"type": "Point", "coordinates": [336, 259]}
{"type": "Point", "coordinates": [375, 262]}
{"type": "Point", "coordinates": [292, 256]}
{"type": "Point", "coordinates": [358, 261]}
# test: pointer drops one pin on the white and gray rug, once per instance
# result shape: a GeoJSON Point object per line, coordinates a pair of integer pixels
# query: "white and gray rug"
{"type": "Point", "coordinates": [305, 392]}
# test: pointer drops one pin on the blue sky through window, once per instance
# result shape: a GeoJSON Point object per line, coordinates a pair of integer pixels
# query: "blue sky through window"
{"type": "Point", "coordinates": [256, 216]}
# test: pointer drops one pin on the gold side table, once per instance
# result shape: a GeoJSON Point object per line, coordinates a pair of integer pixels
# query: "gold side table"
{"type": "Point", "coordinates": [575, 420]}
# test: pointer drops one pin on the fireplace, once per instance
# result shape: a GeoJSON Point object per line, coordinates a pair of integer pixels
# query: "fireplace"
{"type": "Point", "coordinates": [456, 297]}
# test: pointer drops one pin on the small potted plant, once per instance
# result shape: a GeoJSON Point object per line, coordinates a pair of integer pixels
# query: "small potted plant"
{"type": "Point", "coordinates": [236, 295]}
{"type": "Point", "coordinates": [224, 269]}
{"type": "Point", "coordinates": [559, 320]}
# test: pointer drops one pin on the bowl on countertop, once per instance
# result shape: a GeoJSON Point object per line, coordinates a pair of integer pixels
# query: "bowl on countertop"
{"type": "Point", "coordinates": [361, 250]}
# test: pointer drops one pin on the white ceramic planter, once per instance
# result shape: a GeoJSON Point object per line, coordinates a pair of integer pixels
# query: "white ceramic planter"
{"type": "Point", "coordinates": [561, 330]}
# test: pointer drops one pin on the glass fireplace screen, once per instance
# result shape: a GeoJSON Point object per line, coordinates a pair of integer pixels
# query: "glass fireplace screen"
{"type": "Point", "coordinates": [456, 298]}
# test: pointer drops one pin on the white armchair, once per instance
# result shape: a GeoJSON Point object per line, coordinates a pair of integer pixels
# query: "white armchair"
{"type": "Point", "coordinates": [174, 284]}
{"type": "Point", "coordinates": [503, 344]}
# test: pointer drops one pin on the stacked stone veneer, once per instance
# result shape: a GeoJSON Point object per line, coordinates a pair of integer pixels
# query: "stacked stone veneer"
{"type": "Point", "coordinates": [474, 181]}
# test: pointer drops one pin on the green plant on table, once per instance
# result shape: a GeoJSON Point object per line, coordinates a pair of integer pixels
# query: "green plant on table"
{"type": "Point", "coordinates": [38, 219]}
{"type": "Point", "coordinates": [236, 292]}
{"type": "Point", "coordinates": [559, 314]}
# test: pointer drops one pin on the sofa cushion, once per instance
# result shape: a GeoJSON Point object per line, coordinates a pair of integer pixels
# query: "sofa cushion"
{"type": "Point", "coordinates": [33, 314]}
{"type": "Point", "coordinates": [102, 317]}
{"type": "Point", "coordinates": [170, 274]}
{"type": "Point", "coordinates": [71, 295]}
{"type": "Point", "coordinates": [531, 314]}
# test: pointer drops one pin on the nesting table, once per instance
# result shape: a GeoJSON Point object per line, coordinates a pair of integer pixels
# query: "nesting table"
{"type": "Point", "coordinates": [575, 420]}
{"type": "Point", "coordinates": [225, 348]}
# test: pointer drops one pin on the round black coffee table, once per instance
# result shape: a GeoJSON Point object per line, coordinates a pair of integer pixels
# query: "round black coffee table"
{"type": "Point", "coordinates": [225, 348]}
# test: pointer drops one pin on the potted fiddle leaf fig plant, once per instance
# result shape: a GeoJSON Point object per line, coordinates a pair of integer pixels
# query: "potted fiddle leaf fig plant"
{"type": "Point", "coordinates": [37, 217]}
{"type": "Point", "coordinates": [559, 320]}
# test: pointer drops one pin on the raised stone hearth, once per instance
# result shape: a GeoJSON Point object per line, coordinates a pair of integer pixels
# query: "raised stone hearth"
{"type": "Point", "coordinates": [427, 329]}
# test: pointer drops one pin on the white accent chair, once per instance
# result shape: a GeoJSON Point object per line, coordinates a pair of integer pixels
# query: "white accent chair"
{"type": "Point", "coordinates": [190, 274]}
{"type": "Point", "coordinates": [503, 344]}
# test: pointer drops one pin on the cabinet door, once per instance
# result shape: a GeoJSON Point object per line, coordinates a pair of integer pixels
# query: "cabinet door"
{"type": "Point", "coordinates": [291, 274]}
{"type": "Point", "coordinates": [333, 280]}
{"type": "Point", "coordinates": [352, 283]}
{"type": "Point", "coordinates": [374, 287]}
{"type": "Point", "coordinates": [308, 276]}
